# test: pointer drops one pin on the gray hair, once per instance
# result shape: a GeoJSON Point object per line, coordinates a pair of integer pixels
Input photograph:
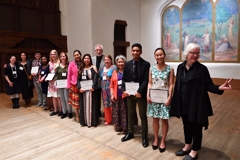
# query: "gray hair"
{"type": "Point", "coordinates": [99, 45]}
{"type": "Point", "coordinates": [122, 57]}
{"type": "Point", "coordinates": [189, 47]}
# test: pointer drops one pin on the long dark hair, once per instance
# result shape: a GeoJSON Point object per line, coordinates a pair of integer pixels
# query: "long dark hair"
{"type": "Point", "coordinates": [80, 70]}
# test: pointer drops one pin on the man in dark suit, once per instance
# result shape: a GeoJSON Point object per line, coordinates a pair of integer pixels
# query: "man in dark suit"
{"type": "Point", "coordinates": [98, 61]}
{"type": "Point", "coordinates": [136, 70]}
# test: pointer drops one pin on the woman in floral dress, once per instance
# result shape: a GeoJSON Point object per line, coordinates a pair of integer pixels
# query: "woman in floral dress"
{"type": "Point", "coordinates": [52, 88]}
{"type": "Point", "coordinates": [160, 77]}
{"type": "Point", "coordinates": [106, 75]}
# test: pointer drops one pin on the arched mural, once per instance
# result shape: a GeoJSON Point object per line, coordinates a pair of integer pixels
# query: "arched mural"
{"type": "Point", "coordinates": [226, 30]}
{"type": "Point", "coordinates": [197, 26]}
{"type": "Point", "coordinates": [171, 32]}
{"type": "Point", "coordinates": [219, 41]}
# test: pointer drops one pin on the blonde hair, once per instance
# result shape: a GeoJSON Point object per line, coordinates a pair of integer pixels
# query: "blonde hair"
{"type": "Point", "coordinates": [57, 58]}
{"type": "Point", "coordinates": [189, 47]}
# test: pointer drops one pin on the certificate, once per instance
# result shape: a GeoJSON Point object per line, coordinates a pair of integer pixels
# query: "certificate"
{"type": "Point", "coordinates": [34, 69]}
{"type": "Point", "coordinates": [50, 76]}
{"type": "Point", "coordinates": [86, 85]}
{"type": "Point", "coordinates": [62, 83]}
{"type": "Point", "coordinates": [131, 87]}
{"type": "Point", "coordinates": [158, 95]}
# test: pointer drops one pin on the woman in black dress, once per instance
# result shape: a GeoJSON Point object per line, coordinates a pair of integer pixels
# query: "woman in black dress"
{"type": "Point", "coordinates": [12, 77]}
{"type": "Point", "coordinates": [25, 66]}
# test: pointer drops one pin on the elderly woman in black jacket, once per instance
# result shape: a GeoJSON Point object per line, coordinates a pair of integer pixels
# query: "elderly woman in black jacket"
{"type": "Point", "coordinates": [191, 101]}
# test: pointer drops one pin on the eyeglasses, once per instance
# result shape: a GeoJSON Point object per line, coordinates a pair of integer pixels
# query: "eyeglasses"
{"type": "Point", "coordinates": [196, 53]}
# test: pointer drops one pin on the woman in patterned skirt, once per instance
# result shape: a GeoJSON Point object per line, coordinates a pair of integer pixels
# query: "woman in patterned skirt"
{"type": "Point", "coordinates": [161, 76]}
{"type": "Point", "coordinates": [119, 103]}
{"type": "Point", "coordinates": [106, 75]}
{"type": "Point", "coordinates": [72, 83]}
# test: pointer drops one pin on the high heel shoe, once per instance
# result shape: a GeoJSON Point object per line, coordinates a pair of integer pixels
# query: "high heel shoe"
{"type": "Point", "coordinates": [154, 147]}
{"type": "Point", "coordinates": [161, 150]}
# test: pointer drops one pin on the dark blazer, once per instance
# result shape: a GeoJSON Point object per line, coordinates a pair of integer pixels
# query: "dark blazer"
{"type": "Point", "coordinates": [199, 102]}
{"type": "Point", "coordinates": [142, 77]}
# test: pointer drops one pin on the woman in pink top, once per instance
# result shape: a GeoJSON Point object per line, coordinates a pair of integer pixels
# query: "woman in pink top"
{"type": "Point", "coordinates": [72, 82]}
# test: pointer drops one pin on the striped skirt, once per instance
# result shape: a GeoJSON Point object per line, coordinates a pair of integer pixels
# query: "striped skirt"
{"type": "Point", "coordinates": [74, 96]}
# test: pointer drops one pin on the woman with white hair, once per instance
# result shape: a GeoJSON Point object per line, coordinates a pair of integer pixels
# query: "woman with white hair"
{"type": "Point", "coordinates": [191, 101]}
{"type": "Point", "coordinates": [119, 105]}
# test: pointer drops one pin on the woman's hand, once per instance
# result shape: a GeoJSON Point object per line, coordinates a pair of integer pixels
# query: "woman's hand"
{"type": "Point", "coordinates": [113, 98]}
{"type": "Point", "coordinates": [138, 95]}
{"type": "Point", "coordinates": [91, 90]}
{"type": "Point", "coordinates": [10, 84]}
{"type": "Point", "coordinates": [226, 85]}
{"type": "Point", "coordinates": [81, 90]}
{"type": "Point", "coordinates": [168, 102]}
{"type": "Point", "coordinates": [34, 74]}
{"type": "Point", "coordinates": [149, 100]}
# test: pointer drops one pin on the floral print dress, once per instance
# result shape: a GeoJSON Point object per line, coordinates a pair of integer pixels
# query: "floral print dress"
{"type": "Point", "coordinates": [52, 89]}
{"type": "Point", "coordinates": [160, 80]}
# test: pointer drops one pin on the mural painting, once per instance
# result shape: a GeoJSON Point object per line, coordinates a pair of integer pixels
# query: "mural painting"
{"type": "Point", "coordinates": [171, 31]}
{"type": "Point", "coordinates": [197, 27]}
{"type": "Point", "coordinates": [226, 30]}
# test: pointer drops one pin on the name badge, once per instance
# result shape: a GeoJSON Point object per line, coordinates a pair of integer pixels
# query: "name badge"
{"type": "Point", "coordinates": [64, 74]}
{"type": "Point", "coordinates": [21, 68]}
{"type": "Point", "coordinates": [14, 72]}
{"type": "Point", "coordinates": [104, 78]}
{"type": "Point", "coordinates": [84, 77]}
{"type": "Point", "coordinates": [119, 82]}
{"type": "Point", "coordinates": [42, 72]}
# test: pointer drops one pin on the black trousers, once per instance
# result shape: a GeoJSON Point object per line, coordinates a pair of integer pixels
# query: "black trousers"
{"type": "Point", "coordinates": [98, 101]}
{"type": "Point", "coordinates": [192, 133]}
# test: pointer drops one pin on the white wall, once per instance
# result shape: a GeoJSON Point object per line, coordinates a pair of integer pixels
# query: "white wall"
{"type": "Point", "coordinates": [151, 37]}
{"type": "Point", "coordinates": [76, 25]}
{"type": "Point", "coordinates": [104, 14]}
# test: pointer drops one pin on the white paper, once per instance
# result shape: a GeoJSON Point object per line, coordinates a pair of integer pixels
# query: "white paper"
{"type": "Point", "coordinates": [62, 83]}
{"type": "Point", "coordinates": [64, 74]}
{"type": "Point", "coordinates": [34, 69]}
{"type": "Point", "coordinates": [104, 78]}
{"type": "Point", "coordinates": [159, 95]}
{"type": "Point", "coordinates": [86, 85]}
{"type": "Point", "coordinates": [21, 68]}
{"type": "Point", "coordinates": [50, 76]}
{"type": "Point", "coordinates": [14, 72]}
{"type": "Point", "coordinates": [131, 87]}
{"type": "Point", "coordinates": [119, 82]}
{"type": "Point", "coordinates": [84, 77]}
{"type": "Point", "coordinates": [42, 72]}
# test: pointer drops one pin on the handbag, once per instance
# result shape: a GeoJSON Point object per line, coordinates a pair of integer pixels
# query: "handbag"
{"type": "Point", "coordinates": [29, 77]}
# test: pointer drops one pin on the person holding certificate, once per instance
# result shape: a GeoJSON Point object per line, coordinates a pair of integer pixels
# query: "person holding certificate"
{"type": "Point", "coordinates": [61, 77]}
{"type": "Point", "coordinates": [25, 77]}
{"type": "Point", "coordinates": [43, 72]}
{"type": "Point", "coordinates": [72, 82]}
{"type": "Point", "coordinates": [52, 89]}
{"type": "Point", "coordinates": [119, 103]}
{"type": "Point", "coordinates": [86, 84]}
{"type": "Point", "coordinates": [12, 77]}
{"type": "Point", "coordinates": [36, 63]}
{"type": "Point", "coordinates": [135, 76]}
{"type": "Point", "coordinates": [106, 75]}
{"type": "Point", "coordinates": [191, 101]}
{"type": "Point", "coordinates": [159, 95]}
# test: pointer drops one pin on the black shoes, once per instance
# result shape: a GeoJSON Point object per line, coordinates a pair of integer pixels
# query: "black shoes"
{"type": "Point", "coordinates": [63, 116]}
{"type": "Point", "coordinates": [53, 113]}
{"type": "Point", "coordinates": [60, 113]}
{"type": "Point", "coordinates": [154, 147]}
{"type": "Point", "coordinates": [145, 142]}
{"type": "Point", "coordinates": [69, 115]}
{"type": "Point", "coordinates": [188, 157]}
{"type": "Point", "coordinates": [127, 137]}
{"type": "Point", "coordinates": [182, 152]}
{"type": "Point", "coordinates": [161, 150]}
{"type": "Point", "coordinates": [14, 105]}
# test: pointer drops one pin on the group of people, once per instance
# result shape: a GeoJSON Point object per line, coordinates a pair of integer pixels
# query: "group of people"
{"type": "Point", "coordinates": [190, 99]}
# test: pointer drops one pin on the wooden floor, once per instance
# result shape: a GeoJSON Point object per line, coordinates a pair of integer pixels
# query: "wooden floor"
{"type": "Point", "coordinates": [30, 133]}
